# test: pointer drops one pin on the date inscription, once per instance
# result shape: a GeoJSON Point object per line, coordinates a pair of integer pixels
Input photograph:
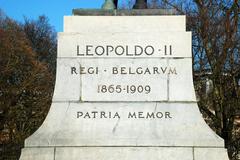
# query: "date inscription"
{"type": "Point", "coordinates": [129, 89]}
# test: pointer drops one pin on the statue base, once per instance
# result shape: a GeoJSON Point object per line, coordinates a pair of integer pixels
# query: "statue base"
{"type": "Point", "coordinates": [174, 131]}
{"type": "Point", "coordinates": [85, 123]}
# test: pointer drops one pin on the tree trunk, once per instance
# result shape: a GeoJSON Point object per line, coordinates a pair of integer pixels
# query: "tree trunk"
{"type": "Point", "coordinates": [116, 3]}
{"type": "Point", "coordinates": [140, 4]}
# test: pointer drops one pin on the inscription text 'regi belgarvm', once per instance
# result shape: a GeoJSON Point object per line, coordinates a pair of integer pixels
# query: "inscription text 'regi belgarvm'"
{"type": "Point", "coordinates": [121, 70]}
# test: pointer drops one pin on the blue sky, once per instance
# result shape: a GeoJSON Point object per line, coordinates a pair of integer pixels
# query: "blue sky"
{"type": "Point", "coordinates": [53, 9]}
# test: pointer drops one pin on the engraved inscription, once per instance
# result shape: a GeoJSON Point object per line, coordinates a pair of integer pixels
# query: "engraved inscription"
{"type": "Point", "coordinates": [121, 50]}
{"type": "Point", "coordinates": [117, 115]}
{"type": "Point", "coordinates": [130, 89]}
{"type": "Point", "coordinates": [125, 70]}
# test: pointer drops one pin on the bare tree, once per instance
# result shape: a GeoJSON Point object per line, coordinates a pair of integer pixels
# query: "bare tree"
{"type": "Point", "coordinates": [216, 46]}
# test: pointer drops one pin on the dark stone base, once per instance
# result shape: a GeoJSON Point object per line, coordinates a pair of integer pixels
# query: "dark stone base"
{"type": "Point", "coordinates": [123, 12]}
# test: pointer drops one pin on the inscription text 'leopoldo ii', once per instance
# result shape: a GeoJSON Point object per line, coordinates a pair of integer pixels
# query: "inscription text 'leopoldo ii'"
{"type": "Point", "coordinates": [124, 50]}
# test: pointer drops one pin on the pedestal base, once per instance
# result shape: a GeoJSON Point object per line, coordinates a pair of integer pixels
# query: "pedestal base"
{"type": "Point", "coordinates": [152, 131]}
{"type": "Point", "coordinates": [124, 153]}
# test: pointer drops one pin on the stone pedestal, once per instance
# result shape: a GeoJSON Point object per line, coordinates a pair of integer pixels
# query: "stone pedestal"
{"type": "Point", "coordinates": [124, 91]}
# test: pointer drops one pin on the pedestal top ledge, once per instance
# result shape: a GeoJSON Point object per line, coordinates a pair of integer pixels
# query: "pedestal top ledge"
{"type": "Point", "coordinates": [123, 12]}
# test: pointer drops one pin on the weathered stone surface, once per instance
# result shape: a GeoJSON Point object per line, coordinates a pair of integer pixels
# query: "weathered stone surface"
{"type": "Point", "coordinates": [181, 87]}
{"type": "Point", "coordinates": [67, 86]}
{"type": "Point", "coordinates": [121, 24]}
{"type": "Point", "coordinates": [83, 124]}
{"type": "Point", "coordinates": [37, 154]}
{"type": "Point", "coordinates": [52, 123]}
{"type": "Point", "coordinates": [177, 124]}
{"type": "Point", "coordinates": [124, 153]}
{"type": "Point", "coordinates": [125, 84]}
{"type": "Point", "coordinates": [142, 45]}
{"type": "Point", "coordinates": [210, 154]}
{"type": "Point", "coordinates": [167, 80]}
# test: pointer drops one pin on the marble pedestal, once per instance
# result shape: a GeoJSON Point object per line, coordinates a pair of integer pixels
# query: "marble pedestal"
{"type": "Point", "coordinates": [64, 136]}
{"type": "Point", "coordinates": [159, 121]}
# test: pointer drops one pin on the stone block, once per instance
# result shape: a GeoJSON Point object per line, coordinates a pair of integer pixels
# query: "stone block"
{"type": "Point", "coordinates": [210, 154]}
{"type": "Point", "coordinates": [37, 154]}
{"type": "Point", "coordinates": [125, 80]}
{"type": "Point", "coordinates": [67, 86]}
{"type": "Point", "coordinates": [123, 12]}
{"type": "Point", "coordinates": [118, 24]}
{"type": "Point", "coordinates": [119, 45]}
{"type": "Point", "coordinates": [123, 153]}
{"type": "Point", "coordinates": [181, 87]}
{"type": "Point", "coordinates": [125, 124]}
{"type": "Point", "coordinates": [51, 126]}
{"type": "Point", "coordinates": [86, 82]}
